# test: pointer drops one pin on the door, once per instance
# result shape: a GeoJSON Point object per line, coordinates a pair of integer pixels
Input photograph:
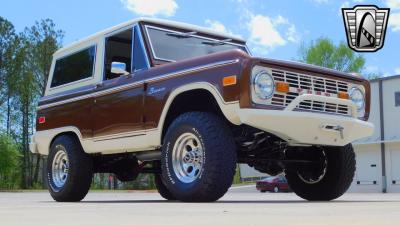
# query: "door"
{"type": "Point", "coordinates": [395, 167]}
{"type": "Point", "coordinates": [118, 102]}
{"type": "Point", "coordinates": [368, 167]}
{"type": "Point", "coordinates": [117, 113]}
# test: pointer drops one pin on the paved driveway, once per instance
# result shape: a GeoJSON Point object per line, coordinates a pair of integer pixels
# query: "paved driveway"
{"type": "Point", "coordinates": [241, 205]}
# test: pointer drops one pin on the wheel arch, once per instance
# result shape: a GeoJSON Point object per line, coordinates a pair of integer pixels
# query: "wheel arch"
{"type": "Point", "coordinates": [204, 90]}
{"type": "Point", "coordinates": [44, 139]}
{"type": "Point", "coordinates": [66, 133]}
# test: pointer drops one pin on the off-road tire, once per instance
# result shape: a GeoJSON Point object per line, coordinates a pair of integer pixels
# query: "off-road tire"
{"type": "Point", "coordinates": [219, 161]}
{"type": "Point", "coordinates": [80, 171]}
{"type": "Point", "coordinates": [162, 189]}
{"type": "Point", "coordinates": [340, 169]}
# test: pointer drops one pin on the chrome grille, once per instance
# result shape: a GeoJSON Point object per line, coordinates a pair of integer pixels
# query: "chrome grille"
{"type": "Point", "coordinates": [299, 83]}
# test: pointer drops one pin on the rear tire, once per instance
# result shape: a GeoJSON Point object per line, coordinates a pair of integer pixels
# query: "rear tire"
{"type": "Point", "coordinates": [337, 175]}
{"type": "Point", "coordinates": [198, 157]}
{"type": "Point", "coordinates": [69, 170]}
{"type": "Point", "coordinates": [162, 189]}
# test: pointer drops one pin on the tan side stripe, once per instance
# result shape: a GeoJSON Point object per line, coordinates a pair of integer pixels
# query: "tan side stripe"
{"type": "Point", "coordinates": [138, 83]}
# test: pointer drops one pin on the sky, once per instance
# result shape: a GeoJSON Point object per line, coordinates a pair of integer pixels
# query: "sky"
{"type": "Point", "coordinates": [273, 29]}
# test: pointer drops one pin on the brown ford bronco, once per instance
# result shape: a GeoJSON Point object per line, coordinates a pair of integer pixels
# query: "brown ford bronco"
{"type": "Point", "coordinates": [187, 104]}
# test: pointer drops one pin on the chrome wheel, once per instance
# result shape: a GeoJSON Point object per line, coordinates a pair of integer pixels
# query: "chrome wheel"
{"type": "Point", "coordinates": [187, 157]}
{"type": "Point", "coordinates": [60, 167]}
{"type": "Point", "coordinates": [315, 176]}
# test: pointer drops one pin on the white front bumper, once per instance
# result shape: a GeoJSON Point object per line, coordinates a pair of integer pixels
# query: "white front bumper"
{"type": "Point", "coordinates": [308, 128]}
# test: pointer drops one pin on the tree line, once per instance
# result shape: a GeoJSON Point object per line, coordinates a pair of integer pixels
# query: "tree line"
{"type": "Point", "coordinates": [25, 59]}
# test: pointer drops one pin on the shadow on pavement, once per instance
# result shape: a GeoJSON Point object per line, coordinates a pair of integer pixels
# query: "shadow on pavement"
{"type": "Point", "coordinates": [228, 202]}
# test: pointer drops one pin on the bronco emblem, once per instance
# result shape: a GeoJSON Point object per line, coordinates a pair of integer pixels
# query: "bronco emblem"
{"type": "Point", "coordinates": [365, 27]}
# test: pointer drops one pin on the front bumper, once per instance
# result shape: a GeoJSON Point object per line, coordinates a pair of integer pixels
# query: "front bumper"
{"type": "Point", "coordinates": [309, 128]}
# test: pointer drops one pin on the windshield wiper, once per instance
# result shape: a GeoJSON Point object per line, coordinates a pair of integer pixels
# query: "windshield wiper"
{"type": "Point", "coordinates": [217, 42]}
{"type": "Point", "coordinates": [182, 35]}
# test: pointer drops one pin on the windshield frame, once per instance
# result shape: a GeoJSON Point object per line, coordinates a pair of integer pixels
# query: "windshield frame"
{"type": "Point", "coordinates": [182, 31]}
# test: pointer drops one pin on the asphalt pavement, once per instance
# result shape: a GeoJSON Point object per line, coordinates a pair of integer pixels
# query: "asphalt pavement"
{"type": "Point", "coordinates": [241, 205]}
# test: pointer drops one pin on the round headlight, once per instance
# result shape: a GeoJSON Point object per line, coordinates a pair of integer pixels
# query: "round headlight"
{"type": "Point", "coordinates": [357, 97]}
{"type": "Point", "coordinates": [264, 85]}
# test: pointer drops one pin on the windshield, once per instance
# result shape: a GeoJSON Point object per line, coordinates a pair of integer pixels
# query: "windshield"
{"type": "Point", "coordinates": [173, 46]}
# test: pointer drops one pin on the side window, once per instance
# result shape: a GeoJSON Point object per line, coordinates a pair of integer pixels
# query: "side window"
{"type": "Point", "coordinates": [118, 50]}
{"type": "Point", "coordinates": [74, 67]}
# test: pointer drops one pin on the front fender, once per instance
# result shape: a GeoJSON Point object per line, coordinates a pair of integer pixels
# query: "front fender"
{"type": "Point", "coordinates": [229, 109]}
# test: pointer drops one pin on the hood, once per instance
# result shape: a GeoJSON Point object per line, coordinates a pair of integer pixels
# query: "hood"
{"type": "Point", "coordinates": [307, 68]}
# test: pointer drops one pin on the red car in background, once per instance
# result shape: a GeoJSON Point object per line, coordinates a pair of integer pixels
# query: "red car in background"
{"type": "Point", "coordinates": [273, 184]}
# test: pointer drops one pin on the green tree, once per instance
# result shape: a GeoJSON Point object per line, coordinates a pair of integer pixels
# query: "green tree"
{"type": "Point", "coordinates": [7, 34]}
{"type": "Point", "coordinates": [372, 76]}
{"type": "Point", "coordinates": [7, 84]}
{"type": "Point", "coordinates": [36, 47]}
{"type": "Point", "coordinates": [323, 52]}
{"type": "Point", "coordinates": [25, 60]}
{"type": "Point", "coordinates": [24, 102]}
{"type": "Point", "coordinates": [44, 39]}
{"type": "Point", "coordinates": [9, 163]}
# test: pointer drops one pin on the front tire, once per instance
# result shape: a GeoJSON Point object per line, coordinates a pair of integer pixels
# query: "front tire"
{"type": "Point", "coordinates": [333, 179]}
{"type": "Point", "coordinates": [198, 157]}
{"type": "Point", "coordinates": [69, 170]}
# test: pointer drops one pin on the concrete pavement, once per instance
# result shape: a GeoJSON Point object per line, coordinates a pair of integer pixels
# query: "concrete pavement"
{"type": "Point", "coordinates": [241, 205]}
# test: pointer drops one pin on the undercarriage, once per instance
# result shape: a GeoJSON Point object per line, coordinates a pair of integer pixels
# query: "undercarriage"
{"type": "Point", "coordinates": [269, 154]}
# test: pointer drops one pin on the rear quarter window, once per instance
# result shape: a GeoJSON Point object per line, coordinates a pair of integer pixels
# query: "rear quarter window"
{"type": "Point", "coordinates": [75, 67]}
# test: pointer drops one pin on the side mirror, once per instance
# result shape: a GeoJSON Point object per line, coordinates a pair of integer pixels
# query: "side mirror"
{"type": "Point", "coordinates": [119, 68]}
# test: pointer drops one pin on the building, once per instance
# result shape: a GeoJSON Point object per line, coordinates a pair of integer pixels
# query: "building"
{"type": "Point", "coordinates": [378, 156]}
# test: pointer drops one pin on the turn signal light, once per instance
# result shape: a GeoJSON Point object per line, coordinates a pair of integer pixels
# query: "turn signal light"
{"type": "Point", "coordinates": [343, 95]}
{"type": "Point", "coordinates": [282, 86]}
{"type": "Point", "coordinates": [230, 80]}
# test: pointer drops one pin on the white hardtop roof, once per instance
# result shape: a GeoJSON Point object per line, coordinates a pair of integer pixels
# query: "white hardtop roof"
{"type": "Point", "coordinates": [150, 20]}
